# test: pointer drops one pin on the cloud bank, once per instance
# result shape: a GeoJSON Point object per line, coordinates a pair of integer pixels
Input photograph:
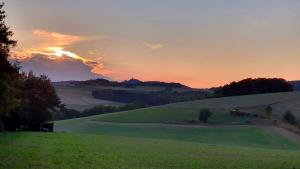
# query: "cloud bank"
{"type": "Point", "coordinates": [64, 68]}
{"type": "Point", "coordinates": [51, 56]}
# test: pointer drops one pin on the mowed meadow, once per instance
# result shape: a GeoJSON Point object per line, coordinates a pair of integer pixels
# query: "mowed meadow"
{"type": "Point", "coordinates": [66, 151]}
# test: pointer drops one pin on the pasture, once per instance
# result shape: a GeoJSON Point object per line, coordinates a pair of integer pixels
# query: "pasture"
{"type": "Point", "coordinates": [162, 137]}
{"type": "Point", "coordinates": [186, 111]}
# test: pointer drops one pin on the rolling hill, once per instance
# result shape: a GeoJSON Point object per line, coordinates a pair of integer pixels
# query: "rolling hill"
{"type": "Point", "coordinates": [81, 95]}
{"type": "Point", "coordinates": [173, 121]}
{"type": "Point", "coordinates": [221, 107]}
{"type": "Point", "coordinates": [163, 137]}
{"type": "Point", "coordinates": [80, 98]}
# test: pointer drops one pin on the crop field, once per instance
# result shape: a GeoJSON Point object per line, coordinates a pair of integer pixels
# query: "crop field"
{"type": "Point", "coordinates": [67, 151]}
{"type": "Point", "coordinates": [80, 98]}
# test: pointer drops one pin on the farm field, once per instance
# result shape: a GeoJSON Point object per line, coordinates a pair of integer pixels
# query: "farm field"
{"type": "Point", "coordinates": [187, 111]}
{"type": "Point", "coordinates": [80, 98]}
{"type": "Point", "coordinates": [27, 150]}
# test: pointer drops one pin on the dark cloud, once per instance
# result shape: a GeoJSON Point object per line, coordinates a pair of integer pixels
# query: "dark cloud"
{"type": "Point", "coordinates": [58, 69]}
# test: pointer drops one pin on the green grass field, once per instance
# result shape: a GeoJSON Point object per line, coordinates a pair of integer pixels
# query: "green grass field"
{"type": "Point", "coordinates": [150, 139]}
{"type": "Point", "coordinates": [251, 136]}
{"type": "Point", "coordinates": [81, 151]}
{"type": "Point", "coordinates": [187, 111]}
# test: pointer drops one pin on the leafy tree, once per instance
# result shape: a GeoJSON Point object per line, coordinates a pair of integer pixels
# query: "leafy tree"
{"type": "Point", "coordinates": [204, 115]}
{"type": "Point", "coordinates": [269, 111]}
{"type": "Point", "coordinates": [9, 73]}
{"type": "Point", "coordinates": [39, 100]}
{"type": "Point", "coordinates": [290, 118]}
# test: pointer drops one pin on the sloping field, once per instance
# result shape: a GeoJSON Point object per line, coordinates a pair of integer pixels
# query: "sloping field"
{"type": "Point", "coordinates": [80, 98]}
{"type": "Point", "coordinates": [250, 136]}
{"type": "Point", "coordinates": [137, 123]}
{"type": "Point", "coordinates": [24, 150]}
{"type": "Point", "coordinates": [187, 111]}
{"type": "Point", "coordinates": [142, 139]}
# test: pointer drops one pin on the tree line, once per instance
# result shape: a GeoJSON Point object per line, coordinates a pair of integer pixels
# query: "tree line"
{"type": "Point", "coordinates": [152, 98]}
{"type": "Point", "coordinates": [255, 86]}
{"type": "Point", "coordinates": [66, 113]}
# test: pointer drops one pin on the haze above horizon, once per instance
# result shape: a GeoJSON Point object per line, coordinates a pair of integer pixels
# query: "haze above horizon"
{"type": "Point", "coordinates": [197, 43]}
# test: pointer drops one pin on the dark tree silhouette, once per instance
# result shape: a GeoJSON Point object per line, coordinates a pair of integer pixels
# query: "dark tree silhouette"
{"type": "Point", "coordinates": [290, 118]}
{"type": "Point", "coordinates": [255, 86]}
{"type": "Point", "coordinates": [9, 73]}
{"type": "Point", "coordinates": [204, 115]}
{"type": "Point", "coordinates": [269, 111]}
{"type": "Point", "coordinates": [39, 101]}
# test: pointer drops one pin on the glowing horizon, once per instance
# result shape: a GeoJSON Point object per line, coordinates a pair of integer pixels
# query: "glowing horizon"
{"type": "Point", "coordinates": [197, 43]}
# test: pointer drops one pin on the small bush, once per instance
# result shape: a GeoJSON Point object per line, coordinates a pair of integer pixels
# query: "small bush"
{"type": "Point", "coordinates": [204, 115]}
{"type": "Point", "coordinates": [290, 118]}
{"type": "Point", "coordinates": [269, 111]}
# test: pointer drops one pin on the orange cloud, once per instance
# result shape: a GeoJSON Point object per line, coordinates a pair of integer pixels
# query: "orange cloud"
{"type": "Point", "coordinates": [57, 39]}
{"type": "Point", "coordinates": [53, 45]}
{"type": "Point", "coordinates": [153, 46]}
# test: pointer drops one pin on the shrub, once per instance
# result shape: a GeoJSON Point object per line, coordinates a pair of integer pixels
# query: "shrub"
{"type": "Point", "coordinates": [290, 118]}
{"type": "Point", "coordinates": [204, 115]}
{"type": "Point", "coordinates": [269, 111]}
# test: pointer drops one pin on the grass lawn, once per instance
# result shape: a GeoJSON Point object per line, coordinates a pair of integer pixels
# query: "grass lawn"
{"type": "Point", "coordinates": [23, 150]}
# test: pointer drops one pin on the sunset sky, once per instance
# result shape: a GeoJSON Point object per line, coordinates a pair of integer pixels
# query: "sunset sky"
{"type": "Point", "coordinates": [201, 43]}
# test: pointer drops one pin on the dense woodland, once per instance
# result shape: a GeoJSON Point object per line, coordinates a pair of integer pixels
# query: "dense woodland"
{"type": "Point", "coordinates": [255, 86]}
{"type": "Point", "coordinates": [152, 98]}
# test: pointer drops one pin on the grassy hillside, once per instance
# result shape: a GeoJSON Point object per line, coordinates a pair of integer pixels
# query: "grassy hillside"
{"type": "Point", "coordinates": [61, 150]}
{"type": "Point", "coordinates": [80, 98]}
{"type": "Point", "coordinates": [117, 124]}
{"type": "Point", "coordinates": [187, 111]}
{"type": "Point", "coordinates": [102, 141]}
{"type": "Point", "coordinates": [267, 137]}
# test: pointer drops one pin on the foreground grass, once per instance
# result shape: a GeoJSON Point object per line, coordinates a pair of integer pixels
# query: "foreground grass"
{"type": "Point", "coordinates": [62, 150]}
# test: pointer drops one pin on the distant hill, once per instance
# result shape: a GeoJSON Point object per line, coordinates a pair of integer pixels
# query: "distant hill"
{"type": "Point", "coordinates": [296, 85]}
{"type": "Point", "coordinates": [131, 83]}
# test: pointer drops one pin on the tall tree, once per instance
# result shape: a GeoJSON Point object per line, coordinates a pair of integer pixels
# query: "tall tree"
{"type": "Point", "coordinates": [9, 73]}
{"type": "Point", "coordinates": [39, 100]}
